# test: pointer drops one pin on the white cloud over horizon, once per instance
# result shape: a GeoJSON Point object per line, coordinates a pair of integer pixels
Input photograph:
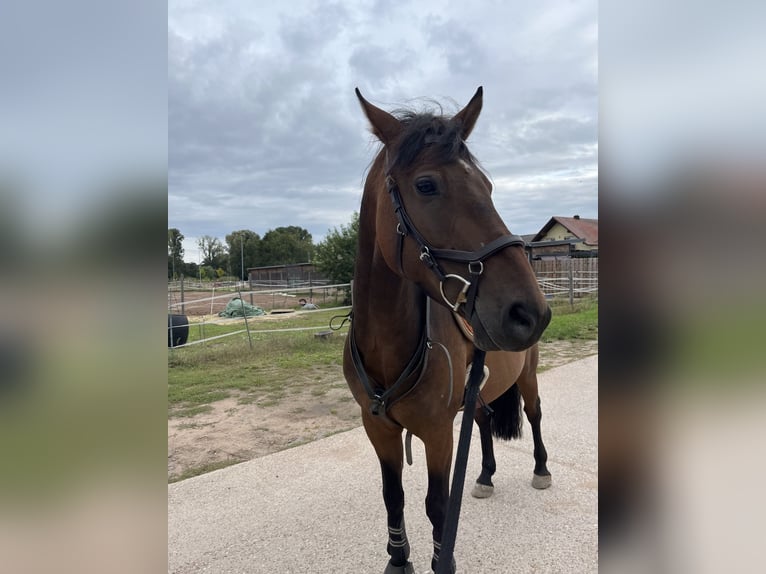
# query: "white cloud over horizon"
{"type": "Point", "coordinates": [264, 129]}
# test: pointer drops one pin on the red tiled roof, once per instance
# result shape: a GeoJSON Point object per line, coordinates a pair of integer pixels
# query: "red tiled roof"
{"type": "Point", "coordinates": [585, 229]}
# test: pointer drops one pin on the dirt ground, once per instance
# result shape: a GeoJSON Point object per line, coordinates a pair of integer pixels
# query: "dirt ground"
{"type": "Point", "coordinates": [235, 431]}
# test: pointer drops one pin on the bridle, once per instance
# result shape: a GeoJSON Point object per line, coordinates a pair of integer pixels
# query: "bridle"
{"type": "Point", "coordinates": [431, 255]}
{"type": "Point", "coordinates": [381, 399]}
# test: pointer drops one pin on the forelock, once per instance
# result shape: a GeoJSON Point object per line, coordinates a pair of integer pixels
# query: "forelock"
{"type": "Point", "coordinates": [423, 130]}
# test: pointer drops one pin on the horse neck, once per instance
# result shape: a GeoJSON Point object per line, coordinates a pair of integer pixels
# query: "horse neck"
{"type": "Point", "coordinates": [383, 301]}
{"type": "Point", "coordinates": [389, 313]}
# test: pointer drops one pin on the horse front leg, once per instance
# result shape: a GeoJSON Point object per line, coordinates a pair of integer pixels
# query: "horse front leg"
{"type": "Point", "coordinates": [484, 487]}
{"type": "Point", "coordinates": [439, 460]}
{"type": "Point", "coordinates": [527, 383]}
{"type": "Point", "coordinates": [387, 441]}
{"type": "Point", "coordinates": [541, 478]}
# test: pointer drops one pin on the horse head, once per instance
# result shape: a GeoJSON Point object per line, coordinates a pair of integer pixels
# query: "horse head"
{"type": "Point", "coordinates": [436, 225]}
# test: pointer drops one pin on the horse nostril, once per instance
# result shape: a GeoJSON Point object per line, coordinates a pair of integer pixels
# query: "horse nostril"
{"type": "Point", "coordinates": [522, 317]}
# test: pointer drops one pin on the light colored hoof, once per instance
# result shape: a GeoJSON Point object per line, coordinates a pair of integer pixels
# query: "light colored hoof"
{"type": "Point", "coordinates": [482, 490]}
{"type": "Point", "coordinates": [541, 482]}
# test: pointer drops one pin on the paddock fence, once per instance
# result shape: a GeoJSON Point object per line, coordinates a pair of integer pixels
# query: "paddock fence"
{"type": "Point", "coordinates": [193, 298]}
{"type": "Point", "coordinates": [567, 277]}
{"type": "Point", "coordinates": [201, 302]}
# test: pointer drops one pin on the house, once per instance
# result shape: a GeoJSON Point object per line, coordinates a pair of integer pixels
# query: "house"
{"type": "Point", "coordinates": [565, 237]}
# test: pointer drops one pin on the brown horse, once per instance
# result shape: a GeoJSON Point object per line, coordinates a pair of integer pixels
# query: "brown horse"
{"type": "Point", "coordinates": [428, 232]}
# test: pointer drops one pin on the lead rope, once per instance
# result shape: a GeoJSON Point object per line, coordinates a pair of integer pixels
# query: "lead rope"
{"type": "Point", "coordinates": [458, 477]}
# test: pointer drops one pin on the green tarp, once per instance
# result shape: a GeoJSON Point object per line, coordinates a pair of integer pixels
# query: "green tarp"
{"type": "Point", "coordinates": [234, 308]}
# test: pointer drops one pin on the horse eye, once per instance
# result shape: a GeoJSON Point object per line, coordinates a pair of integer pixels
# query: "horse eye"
{"type": "Point", "coordinates": [426, 186]}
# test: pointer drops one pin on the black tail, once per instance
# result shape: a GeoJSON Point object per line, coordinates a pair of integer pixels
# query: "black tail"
{"type": "Point", "coordinates": [506, 419]}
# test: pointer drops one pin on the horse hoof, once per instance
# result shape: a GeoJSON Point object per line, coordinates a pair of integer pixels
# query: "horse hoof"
{"type": "Point", "coordinates": [541, 482]}
{"type": "Point", "coordinates": [482, 490]}
{"type": "Point", "coordinates": [407, 568]}
{"type": "Point", "coordinates": [452, 570]}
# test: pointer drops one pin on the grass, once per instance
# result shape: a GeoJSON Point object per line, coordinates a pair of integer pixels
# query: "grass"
{"type": "Point", "coordinates": [193, 411]}
{"type": "Point", "coordinates": [199, 331]}
{"type": "Point", "coordinates": [283, 363]}
{"type": "Point", "coordinates": [579, 321]}
{"type": "Point", "coordinates": [205, 468]}
{"type": "Point", "coordinates": [202, 374]}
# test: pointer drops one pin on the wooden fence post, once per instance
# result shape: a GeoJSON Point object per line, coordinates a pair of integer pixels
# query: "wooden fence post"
{"type": "Point", "coordinates": [571, 285]}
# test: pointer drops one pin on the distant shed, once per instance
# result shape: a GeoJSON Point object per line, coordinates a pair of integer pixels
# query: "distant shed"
{"type": "Point", "coordinates": [290, 275]}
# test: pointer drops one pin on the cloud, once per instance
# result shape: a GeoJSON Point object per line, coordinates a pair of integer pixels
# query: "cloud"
{"type": "Point", "coordinates": [264, 128]}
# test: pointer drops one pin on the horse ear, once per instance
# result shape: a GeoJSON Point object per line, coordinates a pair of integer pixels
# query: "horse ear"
{"type": "Point", "coordinates": [385, 126]}
{"type": "Point", "coordinates": [469, 114]}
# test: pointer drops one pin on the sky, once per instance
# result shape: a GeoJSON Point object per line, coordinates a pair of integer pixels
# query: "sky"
{"type": "Point", "coordinates": [264, 128]}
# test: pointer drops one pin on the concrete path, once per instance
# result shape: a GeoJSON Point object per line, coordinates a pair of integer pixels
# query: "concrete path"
{"type": "Point", "coordinates": [317, 508]}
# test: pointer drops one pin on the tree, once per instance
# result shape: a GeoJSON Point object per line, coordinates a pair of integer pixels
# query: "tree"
{"type": "Point", "coordinates": [190, 269]}
{"type": "Point", "coordinates": [213, 251]}
{"type": "Point", "coordinates": [175, 253]}
{"type": "Point", "coordinates": [243, 245]}
{"type": "Point", "coordinates": [335, 256]}
{"type": "Point", "coordinates": [285, 245]}
{"type": "Point", "coordinates": [207, 272]}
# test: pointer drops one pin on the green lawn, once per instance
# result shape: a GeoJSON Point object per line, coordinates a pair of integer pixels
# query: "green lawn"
{"type": "Point", "coordinates": [204, 373]}
{"type": "Point", "coordinates": [281, 363]}
{"type": "Point", "coordinates": [199, 331]}
{"type": "Point", "coordinates": [572, 322]}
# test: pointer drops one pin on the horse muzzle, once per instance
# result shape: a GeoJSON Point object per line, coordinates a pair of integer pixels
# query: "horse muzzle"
{"type": "Point", "coordinates": [516, 327]}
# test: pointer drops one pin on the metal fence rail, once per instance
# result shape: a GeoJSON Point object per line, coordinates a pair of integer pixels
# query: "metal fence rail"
{"type": "Point", "coordinates": [188, 298]}
{"type": "Point", "coordinates": [572, 283]}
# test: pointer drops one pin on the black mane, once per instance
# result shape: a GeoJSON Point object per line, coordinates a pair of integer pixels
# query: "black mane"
{"type": "Point", "coordinates": [441, 134]}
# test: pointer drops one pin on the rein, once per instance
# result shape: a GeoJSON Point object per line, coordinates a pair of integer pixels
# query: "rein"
{"type": "Point", "coordinates": [430, 255]}
{"type": "Point", "coordinates": [461, 461]}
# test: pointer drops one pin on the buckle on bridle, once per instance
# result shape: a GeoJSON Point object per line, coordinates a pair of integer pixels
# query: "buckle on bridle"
{"type": "Point", "coordinates": [461, 298]}
{"type": "Point", "coordinates": [377, 406]}
{"type": "Point", "coordinates": [481, 267]}
{"type": "Point", "coordinates": [426, 257]}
